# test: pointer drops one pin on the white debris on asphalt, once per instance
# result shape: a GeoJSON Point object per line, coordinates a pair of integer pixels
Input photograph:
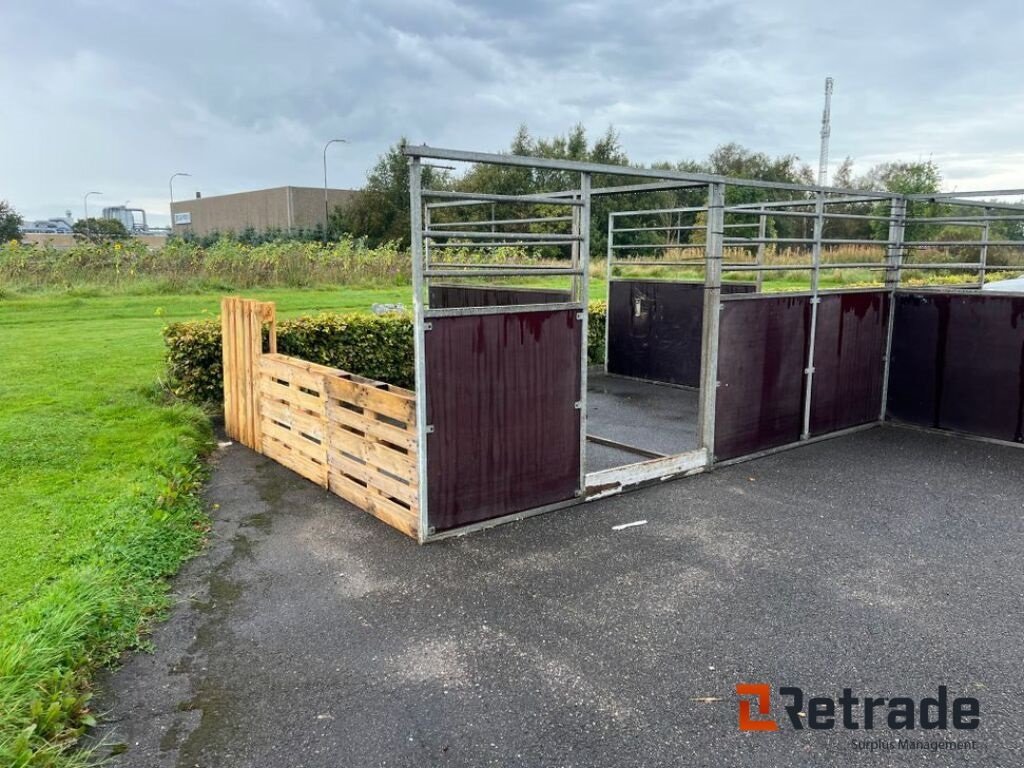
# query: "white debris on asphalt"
{"type": "Point", "coordinates": [629, 525]}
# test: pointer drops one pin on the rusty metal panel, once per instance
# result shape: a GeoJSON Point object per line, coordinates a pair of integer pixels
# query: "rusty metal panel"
{"type": "Point", "coordinates": [655, 329]}
{"type": "Point", "coordinates": [501, 398]}
{"type": "Point", "coordinates": [455, 296]}
{"type": "Point", "coordinates": [761, 358]}
{"type": "Point", "coordinates": [849, 360]}
{"type": "Point", "coordinates": [958, 363]}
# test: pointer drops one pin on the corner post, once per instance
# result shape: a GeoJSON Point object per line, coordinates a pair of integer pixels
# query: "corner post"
{"type": "Point", "coordinates": [819, 226]}
{"type": "Point", "coordinates": [713, 248]}
{"type": "Point", "coordinates": [416, 251]}
{"type": "Point", "coordinates": [582, 226]}
{"type": "Point", "coordinates": [893, 260]}
{"type": "Point", "coordinates": [609, 268]}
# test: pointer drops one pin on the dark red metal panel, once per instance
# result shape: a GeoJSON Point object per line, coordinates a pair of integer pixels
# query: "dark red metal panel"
{"type": "Point", "coordinates": [849, 360]}
{"type": "Point", "coordinates": [958, 363]}
{"type": "Point", "coordinates": [452, 296]}
{"type": "Point", "coordinates": [655, 329]}
{"type": "Point", "coordinates": [761, 358]}
{"type": "Point", "coordinates": [501, 396]}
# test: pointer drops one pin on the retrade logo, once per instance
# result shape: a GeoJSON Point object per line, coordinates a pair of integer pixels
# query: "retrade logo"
{"type": "Point", "coordinates": [762, 693]}
{"type": "Point", "coordinates": [853, 712]}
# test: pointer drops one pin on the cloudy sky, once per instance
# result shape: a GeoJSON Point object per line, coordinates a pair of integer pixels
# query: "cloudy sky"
{"type": "Point", "coordinates": [116, 95]}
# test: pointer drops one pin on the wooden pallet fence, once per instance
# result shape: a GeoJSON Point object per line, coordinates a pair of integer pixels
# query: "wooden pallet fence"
{"type": "Point", "coordinates": [242, 323]}
{"type": "Point", "coordinates": [354, 436]}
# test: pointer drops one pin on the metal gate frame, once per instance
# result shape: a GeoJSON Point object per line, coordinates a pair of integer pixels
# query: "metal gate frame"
{"type": "Point", "coordinates": [607, 482]}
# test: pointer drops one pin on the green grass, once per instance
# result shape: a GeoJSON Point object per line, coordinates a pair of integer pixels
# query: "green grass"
{"type": "Point", "coordinates": [99, 473]}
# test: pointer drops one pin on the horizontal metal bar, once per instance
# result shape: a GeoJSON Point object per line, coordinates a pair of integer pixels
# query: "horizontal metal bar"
{"type": "Point", "coordinates": [524, 236]}
{"type": "Point", "coordinates": [958, 265]}
{"type": "Point", "coordinates": [626, 447]}
{"type": "Point", "coordinates": [674, 228]}
{"type": "Point", "coordinates": [657, 186]}
{"type": "Point", "coordinates": [969, 219]}
{"type": "Point", "coordinates": [943, 243]}
{"type": "Point", "coordinates": [490, 222]}
{"type": "Point", "coordinates": [655, 211]}
{"type": "Point", "coordinates": [811, 215]}
{"type": "Point", "coordinates": [808, 240]}
{"type": "Point", "coordinates": [476, 265]}
{"type": "Point", "coordinates": [498, 243]}
{"type": "Point", "coordinates": [985, 204]}
{"type": "Point", "coordinates": [643, 246]}
{"type": "Point", "coordinates": [854, 198]}
{"type": "Point", "coordinates": [525, 161]}
{"type": "Point", "coordinates": [501, 310]}
{"type": "Point", "coordinates": [492, 272]}
{"type": "Point", "coordinates": [650, 263]}
{"type": "Point", "coordinates": [971, 193]}
{"type": "Point", "coordinates": [803, 267]}
{"type": "Point", "coordinates": [459, 197]}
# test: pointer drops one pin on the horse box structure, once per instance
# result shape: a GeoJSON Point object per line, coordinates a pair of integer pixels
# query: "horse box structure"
{"type": "Point", "coordinates": [508, 419]}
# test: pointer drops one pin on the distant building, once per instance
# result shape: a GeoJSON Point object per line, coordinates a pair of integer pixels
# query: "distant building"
{"type": "Point", "coordinates": [128, 217]}
{"type": "Point", "coordinates": [47, 227]}
{"type": "Point", "coordinates": [284, 208]}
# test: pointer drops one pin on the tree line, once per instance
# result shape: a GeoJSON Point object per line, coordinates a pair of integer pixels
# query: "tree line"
{"type": "Point", "coordinates": [380, 212]}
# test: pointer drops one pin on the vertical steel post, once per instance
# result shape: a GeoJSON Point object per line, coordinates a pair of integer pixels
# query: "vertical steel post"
{"type": "Point", "coordinates": [894, 257]}
{"type": "Point", "coordinates": [426, 241]}
{"type": "Point", "coordinates": [983, 256]}
{"type": "Point", "coordinates": [582, 230]}
{"type": "Point", "coordinates": [762, 231]}
{"type": "Point", "coordinates": [416, 249]}
{"type": "Point", "coordinates": [608, 268]}
{"type": "Point", "coordinates": [712, 318]}
{"type": "Point", "coordinates": [819, 225]}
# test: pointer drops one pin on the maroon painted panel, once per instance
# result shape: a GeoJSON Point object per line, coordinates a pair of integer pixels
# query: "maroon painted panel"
{"type": "Point", "coordinates": [761, 359]}
{"type": "Point", "coordinates": [958, 363]}
{"type": "Point", "coordinates": [655, 329]}
{"type": "Point", "coordinates": [451, 296]}
{"type": "Point", "coordinates": [501, 395]}
{"type": "Point", "coordinates": [849, 360]}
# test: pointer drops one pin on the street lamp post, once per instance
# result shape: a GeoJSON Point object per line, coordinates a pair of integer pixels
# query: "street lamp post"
{"type": "Point", "coordinates": [85, 205]}
{"type": "Point", "coordinates": [170, 186]}
{"type": "Point", "coordinates": [327, 211]}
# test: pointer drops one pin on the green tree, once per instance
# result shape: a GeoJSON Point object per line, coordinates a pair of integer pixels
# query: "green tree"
{"type": "Point", "coordinates": [380, 211]}
{"type": "Point", "coordinates": [10, 221]}
{"type": "Point", "coordinates": [99, 230]}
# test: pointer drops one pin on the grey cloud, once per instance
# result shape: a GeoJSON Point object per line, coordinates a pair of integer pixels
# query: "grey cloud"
{"type": "Point", "coordinates": [116, 95]}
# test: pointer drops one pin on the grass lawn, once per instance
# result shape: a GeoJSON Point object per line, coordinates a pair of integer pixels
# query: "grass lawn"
{"type": "Point", "coordinates": [98, 474]}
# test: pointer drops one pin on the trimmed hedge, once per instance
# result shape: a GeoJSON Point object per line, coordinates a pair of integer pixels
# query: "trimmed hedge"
{"type": "Point", "coordinates": [378, 347]}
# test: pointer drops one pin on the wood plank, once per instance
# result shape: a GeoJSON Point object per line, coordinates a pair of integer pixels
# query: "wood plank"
{"type": "Point", "coordinates": [375, 399]}
{"type": "Point", "coordinates": [294, 440]}
{"type": "Point", "coordinates": [294, 460]}
{"type": "Point", "coordinates": [280, 367]}
{"type": "Point", "coordinates": [227, 369]}
{"type": "Point", "coordinates": [305, 365]}
{"type": "Point", "coordinates": [271, 389]}
{"type": "Point", "coordinates": [379, 455]}
{"type": "Point", "coordinates": [256, 327]}
{"type": "Point", "coordinates": [383, 509]}
{"type": "Point", "coordinates": [372, 427]}
{"type": "Point", "coordinates": [368, 474]}
{"type": "Point", "coordinates": [297, 420]}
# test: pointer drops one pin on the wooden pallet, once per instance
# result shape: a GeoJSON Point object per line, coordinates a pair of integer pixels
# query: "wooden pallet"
{"type": "Point", "coordinates": [354, 436]}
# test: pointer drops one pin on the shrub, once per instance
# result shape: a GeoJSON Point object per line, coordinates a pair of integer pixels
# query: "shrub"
{"type": "Point", "coordinates": [376, 347]}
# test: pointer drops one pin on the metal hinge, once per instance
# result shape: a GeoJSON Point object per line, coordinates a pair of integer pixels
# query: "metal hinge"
{"type": "Point", "coordinates": [816, 300]}
{"type": "Point", "coordinates": [810, 370]}
{"type": "Point", "coordinates": [578, 405]}
{"type": "Point", "coordinates": [428, 326]}
{"type": "Point", "coordinates": [579, 315]}
{"type": "Point", "coordinates": [429, 429]}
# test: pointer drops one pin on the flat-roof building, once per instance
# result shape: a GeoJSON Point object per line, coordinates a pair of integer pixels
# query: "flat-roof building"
{"type": "Point", "coordinates": [284, 208]}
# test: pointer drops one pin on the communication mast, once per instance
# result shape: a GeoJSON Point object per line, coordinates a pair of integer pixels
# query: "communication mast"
{"type": "Point", "coordinates": [826, 131]}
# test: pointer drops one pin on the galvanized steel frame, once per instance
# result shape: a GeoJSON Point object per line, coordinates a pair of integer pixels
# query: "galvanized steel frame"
{"type": "Point", "coordinates": [814, 196]}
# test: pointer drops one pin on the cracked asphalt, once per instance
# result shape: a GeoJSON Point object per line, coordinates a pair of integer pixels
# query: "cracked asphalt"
{"type": "Point", "coordinates": [309, 634]}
